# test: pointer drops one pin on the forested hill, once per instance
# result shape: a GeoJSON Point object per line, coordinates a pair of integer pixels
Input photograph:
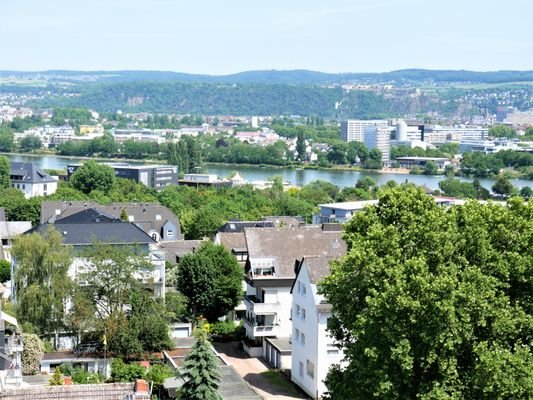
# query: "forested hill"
{"type": "Point", "coordinates": [242, 99]}
{"type": "Point", "coordinates": [294, 77]}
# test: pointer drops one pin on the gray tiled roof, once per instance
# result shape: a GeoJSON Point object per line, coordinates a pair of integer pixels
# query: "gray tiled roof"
{"type": "Point", "coordinates": [286, 245]}
{"type": "Point", "coordinates": [232, 240]}
{"type": "Point", "coordinates": [28, 173]}
{"type": "Point", "coordinates": [105, 232]}
{"type": "Point", "coordinates": [179, 248]}
{"type": "Point", "coordinates": [317, 268]}
{"type": "Point", "coordinates": [148, 216]}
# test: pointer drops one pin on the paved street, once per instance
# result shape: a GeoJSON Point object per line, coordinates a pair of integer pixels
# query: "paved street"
{"type": "Point", "coordinates": [250, 369]}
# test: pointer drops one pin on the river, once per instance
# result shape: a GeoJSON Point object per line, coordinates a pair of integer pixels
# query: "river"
{"type": "Point", "coordinates": [297, 177]}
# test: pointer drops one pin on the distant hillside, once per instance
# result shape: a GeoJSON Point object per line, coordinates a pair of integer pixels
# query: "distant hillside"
{"type": "Point", "coordinates": [294, 77]}
{"type": "Point", "coordinates": [243, 99]}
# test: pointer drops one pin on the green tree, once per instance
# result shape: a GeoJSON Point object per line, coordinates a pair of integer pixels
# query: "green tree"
{"type": "Point", "coordinates": [93, 176]}
{"type": "Point", "coordinates": [526, 192]}
{"type": "Point", "coordinates": [430, 168]}
{"type": "Point", "coordinates": [201, 375]}
{"type": "Point", "coordinates": [433, 303]}
{"type": "Point", "coordinates": [300, 146]}
{"type": "Point", "coordinates": [6, 139]}
{"type": "Point", "coordinates": [19, 208]}
{"type": "Point", "coordinates": [503, 186]}
{"type": "Point", "coordinates": [4, 172]}
{"type": "Point", "coordinates": [41, 281]}
{"type": "Point", "coordinates": [498, 131]}
{"type": "Point", "coordinates": [5, 271]}
{"type": "Point", "coordinates": [30, 143]}
{"type": "Point", "coordinates": [132, 320]}
{"type": "Point", "coordinates": [211, 280]}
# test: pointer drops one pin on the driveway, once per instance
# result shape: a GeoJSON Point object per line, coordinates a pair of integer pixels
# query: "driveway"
{"type": "Point", "coordinates": [251, 370]}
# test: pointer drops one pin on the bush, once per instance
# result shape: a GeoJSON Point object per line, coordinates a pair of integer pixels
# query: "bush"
{"type": "Point", "coordinates": [122, 372]}
{"type": "Point", "coordinates": [32, 354]}
{"type": "Point", "coordinates": [66, 369]}
{"type": "Point", "coordinates": [81, 376]}
{"type": "Point", "coordinates": [5, 271]}
{"type": "Point", "coordinates": [56, 379]}
{"type": "Point", "coordinates": [223, 328]}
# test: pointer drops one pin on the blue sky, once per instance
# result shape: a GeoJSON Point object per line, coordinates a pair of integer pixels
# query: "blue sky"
{"type": "Point", "coordinates": [220, 37]}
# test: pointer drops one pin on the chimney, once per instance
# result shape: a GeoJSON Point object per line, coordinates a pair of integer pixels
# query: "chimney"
{"type": "Point", "coordinates": [141, 386]}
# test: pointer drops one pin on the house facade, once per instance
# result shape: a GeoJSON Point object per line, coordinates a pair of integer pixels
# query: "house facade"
{"type": "Point", "coordinates": [269, 275]}
{"type": "Point", "coordinates": [107, 230]}
{"type": "Point", "coordinates": [313, 349]}
{"type": "Point", "coordinates": [31, 180]}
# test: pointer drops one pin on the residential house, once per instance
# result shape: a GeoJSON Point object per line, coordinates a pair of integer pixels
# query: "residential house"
{"type": "Point", "coordinates": [82, 234]}
{"type": "Point", "coordinates": [340, 212]}
{"type": "Point", "coordinates": [270, 273]}
{"type": "Point", "coordinates": [31, 180]}
{"type": "Point", "coordinates": [313, 349]}
{"type": "Point", "coordinates": [155, 220]}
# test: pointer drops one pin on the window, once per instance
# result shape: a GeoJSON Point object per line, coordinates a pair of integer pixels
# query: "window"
{"type": "Point", "coordinates": [297, 335]}
{"type": "Point", "coordinates": [45, 187]}
{"type": "Point", "coordinates": [310, 369]}
{"type": "Point", "coordinates": [304, 290]}
{"type": "Point", "coordinates": [301, 368]}
{"type": "Point", "coordinates": [170, 232]}
{"type": "Point", "coordinates": [158, 217]}
{"type": "Point", "coordinates": [332, 350]}
{"type": "Point", "coordinates": [24, 187]}
{"type": "Point", "coordinates": [297, 310]}
{"type": "Point", "coordinates": [303, 313]}
{"type": "Point", "coordinates": [302, 338]}
{"type": "Point", "coordinates": [131, 218]}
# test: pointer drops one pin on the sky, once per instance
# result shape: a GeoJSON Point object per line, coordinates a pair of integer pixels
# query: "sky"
{"type": "Point", "coordinates": [221, 37]}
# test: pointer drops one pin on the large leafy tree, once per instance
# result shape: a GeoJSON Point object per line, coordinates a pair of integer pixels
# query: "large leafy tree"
{"type": "Point", "coordinates": [4, 172]}
{"type": "Point", "coordinates": [132, 320]}
{"type": "Point", "coordinates": [201, 373]}
{"type": "Point", "coordinates": [434, 303]}
{"type": "Point", "coordinates": [41, 279]}
{"type": "Point", "coordinates": [93, 176]}
{"type": "Point", "coordinates": [211, 279]}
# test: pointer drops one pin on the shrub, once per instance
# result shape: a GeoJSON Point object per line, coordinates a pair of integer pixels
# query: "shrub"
{"type": "Point", "coordinates": [32, 353]}
{"type": "Point", "coordinates": [5, 271]}
{"type": "Point", "coordinates": [223, 328]}
{"type": "Point", "coordinates": [56, 379]}
{"type": "Point", "coordinates": [122, 372]}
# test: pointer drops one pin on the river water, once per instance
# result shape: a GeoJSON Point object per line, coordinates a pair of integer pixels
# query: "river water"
{"type": "Point", "coordinates": [298, 177]}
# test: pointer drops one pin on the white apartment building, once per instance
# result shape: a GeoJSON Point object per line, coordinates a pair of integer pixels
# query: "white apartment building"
{"type": "Point", "coordinates": [313, 349]}
{"type": "Point", "coordinates": [269, 275]}
{"type": "Point", "coordinates": [47, 134]}
{"type": "Point", "coordinates": [30, 180]}
{"type": "Point", "coordinates": [354, 129]}
{"type": "Point", "coordinates": [441, 134]}
{"type": "Point", "coordinates": [378, 137]}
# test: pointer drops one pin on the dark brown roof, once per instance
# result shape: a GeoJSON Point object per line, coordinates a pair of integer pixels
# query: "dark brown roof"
{"type": "Point", "coordinates": [148, 216]}
{"type": "Point", "coordinates": [286, 245]}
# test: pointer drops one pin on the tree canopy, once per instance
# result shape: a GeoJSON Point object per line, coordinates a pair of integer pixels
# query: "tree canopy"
{"type": "Point", "coordinates": [211, 279]}
{"type": "Point", "coordinates": [434, 303]}
{"type": "Point", "coordinates": [93, 176]}
{"type": "Point", "coordinates": [41, 280]}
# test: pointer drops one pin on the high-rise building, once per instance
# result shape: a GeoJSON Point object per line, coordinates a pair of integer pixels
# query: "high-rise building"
{"type": "Point", "coordinates": [354, 129]}
{"type": "Point", "coordinates": [378, 137]}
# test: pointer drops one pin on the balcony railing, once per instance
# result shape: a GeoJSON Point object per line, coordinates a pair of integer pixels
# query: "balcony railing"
{"type": "Point", "coordinates": [256, 328]}
{"type": "Point", "coordinates": [258, 307]}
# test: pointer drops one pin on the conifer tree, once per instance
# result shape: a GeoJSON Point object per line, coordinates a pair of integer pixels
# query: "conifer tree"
{"type": "Point", "coordinates": [201, 374]}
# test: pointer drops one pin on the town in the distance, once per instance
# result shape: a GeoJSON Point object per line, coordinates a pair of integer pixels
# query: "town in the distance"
{"type": "Point", "coordinates": [349, 253]}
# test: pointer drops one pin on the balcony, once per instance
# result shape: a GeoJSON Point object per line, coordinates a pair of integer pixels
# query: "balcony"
{"type": "Point", "coordinates": [256, 329]}
{"type": "Point", "coordinates": [257, 307]}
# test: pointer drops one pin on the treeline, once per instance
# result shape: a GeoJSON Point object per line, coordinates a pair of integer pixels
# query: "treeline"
{"type": "Point", "coordinates": [485, 165]}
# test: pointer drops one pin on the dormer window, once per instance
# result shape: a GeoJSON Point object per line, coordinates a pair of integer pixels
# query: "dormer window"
{"type": "Point", "coordinates": [131, 218]}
